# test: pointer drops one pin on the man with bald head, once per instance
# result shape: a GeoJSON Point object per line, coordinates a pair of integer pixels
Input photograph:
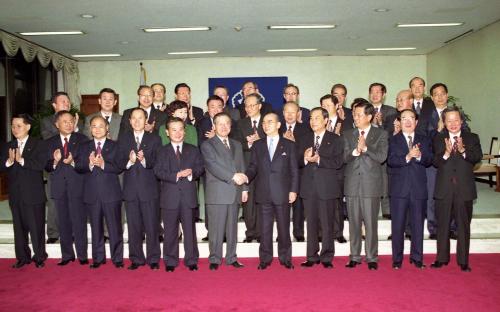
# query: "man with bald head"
{"type": "Point", "coordinates": [404, 100]}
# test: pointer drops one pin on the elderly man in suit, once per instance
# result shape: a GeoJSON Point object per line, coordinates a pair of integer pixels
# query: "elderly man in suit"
{"type": "Point", "coordinates": [409, 154]}
{"type": "Point", "coordinates": [60, 101]}
{"type": "Point", "coordinates": [159, 92]}
{"type": "Point", "coordinates": [107, 101]}
{"type": "Point", "coordinates": [225, 190]}
{"type": "Point", "coordinates": [183, 93]}
{"type": "Point", "coordinates": [249, 88]}
{"type": "Point", "coordinates": [274, 167]}
{"type": "Point", "coordinates": [223, 93]}
{"type": "Point", "coordinates": [365, 150]}
{"type": "Point", "coordinates": [456, 151]}
{"type": "Point", "coordinates": [291, 93]}
{"type": "Point", "coordinates": [24, 159]}
{"type": "Point", "coordinates": [205, 126]}
{"type": "Point", "coordinates": [178, 166]}
{"type": "Point", "coordinates": [292, 130]}
{"type": "Point", "coordinates": [420, 101]}
{"type": "Point", "coordinates": [339, 91]}
{"type": "Point", "coordinates": [66, 189]}
{"type": "Point", "coordinates": [320, 156]}
{"type": "Point", "coordinates": [137, 157]}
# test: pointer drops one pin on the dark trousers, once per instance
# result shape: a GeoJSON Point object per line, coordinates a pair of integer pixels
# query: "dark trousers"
{"type": "Point", "coordinates": [72, 217]}
{"type": "Point", "coordinates": [338, 218]}
{"type": "Point", "coordinates": [319, 212]}
{"type": "Point", "coordinates": [282, 214]}
{"type": "Point", "coordinates": [142, 218]}
{"type": "Point", "coordinates": [112, 215]}
{"type": "Point", "coordinates": [401, 209]}
{"type": "Point", "coordinates": [251, 214]}
{"type": "Point", "coordinates": [171, 220]}
{"type": "Point", "coordinates": [51, 214]}
{"type": "Point", "coordinates": [453, 206]}
{"type": "Point", "coordinates": [29, 219]}
{"type": "Point", "coordinates": [298, 218]}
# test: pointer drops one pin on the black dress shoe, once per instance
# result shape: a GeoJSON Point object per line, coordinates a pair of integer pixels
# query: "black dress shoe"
{"type": "Point", "coordinates": [169, 268]}
{"type": "Point", "coordinates": [248, 240]}
{"type": "Point", "coordinates": [433, 236]}
{"type": "Point", "coordinates": [352, 264]}
{"type": "Point", "coordinates": [408, 237]}
{"type": "Point", "coordinates": [386, 216]}
{"type": "Point", "coordinates": [465, 268]}
{"type": "Point", "coordinates": [39, 264]}
{"type": "Point", "coordinates": [134, 266]}
{"type": "Point", "coordinates": [236, 264]}
{"type": "Point", "coordinates": [160, 238]}
{"type": "Point", "coordinates": [308, 263]}
{"type": "Point", "coordinates": [193, 267]}
{"type": "Point", "coordinates": [52, 240]}
{"type": "Point", "coordinates": [106, 238]}
{"type": "Point", "coordinates": [118, 265]}
{"type": "Point", "coordinates": [438, 264]}
{"type": "Point", "coordinates": [300, 239]}
{"type": "Point", "coordinates": [205, 239]}
{"type": "Point", "coordinates": [154, 266]}
{"type": "Point", "coordinates": [19, 264]}
{"type": "Point", "coordinates": [213, 266]}
{"type": "Point", "coordinates": [341, 239]}
{"type": "Point", "coordinates": [263, 266]}
{"type": "Point", "coordinates": [363, 237]}
{"type": "Point", "coordinates": [327, 265]}
{"type": "Point", "coordinates": [180, 238]}
{"type": "Point", "coordinates": [396, 265]}
{"type": "Point", "coordinates": [65, 262]}
{"type": "Point", "coordinates": [372, 266]}
{"type": "Point", "coordinates": [417, 264]}
{"type": "Point", "coordinates": [96, 265]}
{"type": "Point", "coordinates": [453, 235]}
{"type": "Point", "coordinates": [389, 237]}
{"type": "Point", "coordinates": [83, 261]}
{"type": "Point", "coordinates": [287, 264]}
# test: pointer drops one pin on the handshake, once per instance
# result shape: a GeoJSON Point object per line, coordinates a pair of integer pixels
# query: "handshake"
{"type": "Point", "coordinates": [240, 178]}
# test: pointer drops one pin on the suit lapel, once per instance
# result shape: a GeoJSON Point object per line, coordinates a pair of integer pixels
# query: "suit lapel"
{"type": "Point", "coordinates": [27, 147]}
{"type": "Point", "coordinates": [279, 149]}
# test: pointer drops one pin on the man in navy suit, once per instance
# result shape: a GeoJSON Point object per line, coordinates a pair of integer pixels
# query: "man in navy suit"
{"type": "Point", "coordinates": [294, 131]}
{"type": "Point", "coordinates": [409, 154]}
{"type": "Point", "coordinates": [137, 157]}
{"type": "Point", "coordinates": [345, 113]}
{"type": "Point", "coordinates": [178, 166]}
{"type": "Point", "coordinates": [66, 188]}
{"type": "Point", "coordinates": [291, 93]}
{"type": "Point", "coordinates": [102, 195]}
{"type": "Point", "coordinates": [273, 165]}
{"type": "Point", "coordinates": [205, 126]}
{"type": "Point", "coordinates": [24, 159]}
{"type": "Point", "coordinates": [320, 156]}
{"type": "Point", "coordinates": [420, 101]}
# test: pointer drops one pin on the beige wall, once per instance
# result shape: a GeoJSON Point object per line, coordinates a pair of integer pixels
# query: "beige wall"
{"type": "Point", "coordinates": [314, 75]}
{"type": "Point", "coordinates": [471, 69]}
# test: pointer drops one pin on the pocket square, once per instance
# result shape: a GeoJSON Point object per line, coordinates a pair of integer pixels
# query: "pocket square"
{"type": "Point", "coordinates": [283, 154]}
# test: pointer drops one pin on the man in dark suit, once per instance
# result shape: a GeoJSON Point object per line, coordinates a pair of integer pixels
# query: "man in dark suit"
{"type": "Point", "coordinates": [60, 101]}
{"type": "Point", "coordinates": [137, 157]}
{"type": "Point", "coordinates": [97, 160]}
{"type": "Point", "coordinates": [365, 151]}
{"type": "Point", "coordinates": [409, 154]}
{"type": "Point", "coordinates": [159, 91]}
{"type": "Point", "coordinates": [455, 153]}
{"type": "Point", "coordinates": [291, 93]}
{"type": "Point", "coordinates": [66, 189]}
{"type": "Point", "coordinates": [274, 167]}
{"type": "Point", "coordinates": [223, 93]}
{"type": "Point", "coordinates": [294, 131]}
{"type": "Point", "coordinates": [107, 102]}
{"type": "Point", "coordinates": [156, 118]}
{"type": "Point", "coordinates": [24, 159]}
{"type": "Point", "coordinates": [345, 113]}
{"type": "Point", "coordinates": [247, 89]}
{"type": "Point", "coordinates": [225, 190]}
{"type": "Point", "coordinates": [183, 93]}
{"type": "Point", "coordinates": [320, 156]}
{"type": "Point", "coordinates": [420, 101]}
{"type": "Point", "coordinates": [248, 131]}
{"type": "Point", "coordinates": [205, 126]}
{"type": "Point", "coordinates": [179, 165]}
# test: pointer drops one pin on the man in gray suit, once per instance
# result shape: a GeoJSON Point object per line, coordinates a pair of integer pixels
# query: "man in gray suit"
{"type": "Point", "coordinates": [365, 149]}
{"type": "Point", "coordinates": [107, 101]}
{"type": "Point", "coordinates": [224, 190]}
{"type": "Point", "coordinates": [60, 102]}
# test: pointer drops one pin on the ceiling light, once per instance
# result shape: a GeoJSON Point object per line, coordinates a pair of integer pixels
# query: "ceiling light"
{"type": "Point", "coordinates": [429, 25]}
{"type": "Point", "coordinates": [390, 49]}
{"type": "Point", "coordinates": [331, 26]}
{"type": "Point", "coordinates": [173, 29]}
{"type": "Point", "coordinates": [381, 10]}
{"type": "Point", "coordinates": [192, 52]}
{"type": "Point", "coordinates": [87, 16]}
{"type": "Point", "coordinates": [291, 50]}
{"type": "Point", "coordinates": [48, 33]}
{"type": "Point", "coordinates": [96, 55]}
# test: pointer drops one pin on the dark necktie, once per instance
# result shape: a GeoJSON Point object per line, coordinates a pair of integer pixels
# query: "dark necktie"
{"type": "Point", "coordinates": [138, 143]}
{"type": "Point", "coordinates": [362, 133]}
{"type": "Point", "coordinates": [98, 150]}
{"type": "Point", "coordinates": [178, 153]}
{"type": "Point", "coordinates": [290, 128]}
{"type": "Point", "coordinates": [418, 108]}
{"type": "Point", "coordinates": [316, 145]}
{"type": "Point", "coordinates": [254, 128]}
{"type": "Point", "coordinates": [455, 144]}
{"type": "Point", "coordinates": [225, 143]}
{"type": "Point", "coordinates": [410, 142]}
{"type": "Point", "coordinates": [107, 119]}
{"type": "Point", "coordinates": [65, 147]}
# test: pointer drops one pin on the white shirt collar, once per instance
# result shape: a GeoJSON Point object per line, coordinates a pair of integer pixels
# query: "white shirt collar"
{"type": "Point", "coordinates": [452, 136]}
{"type": "Point", "coordinates": [63, 136]}
{"type": "Point", "coordinates": [110, 115]}
{"type": "Point", "coordinates": [97, 141]}
{"type": "Point", "coordinates": [292, 125]}
{"type": "Point", "coordinates": [174, 145]}
{"type": "Point", "coordinates": [139, 135]}
{"type": "Point", "coordinates": [365, 130]}
{"type": "Point", "coordinates": [23, 141]}
{"type": "Point", "coordinates": [275, 139]}
{"type": "Point", "coordinates": [321, 135]}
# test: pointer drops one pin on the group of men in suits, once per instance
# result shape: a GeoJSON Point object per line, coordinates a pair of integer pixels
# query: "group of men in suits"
{"type": "Point", "coordinates": [322, 165]}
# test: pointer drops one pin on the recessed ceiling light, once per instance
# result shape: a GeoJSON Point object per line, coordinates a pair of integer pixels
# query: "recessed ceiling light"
{"type": "Point", "coordinates": [192, 52]}
{"type": "Point", "coordinates": [318, 26]}
{"type": "Point", "coordinates": [97, 55]}
{"type": "Point", "coordinates": [291, 50]}
{"type": "Point", "coordinates": [391, 49]}
{"type": "Point", "coordinates": [381, 10]}
{"type": "Point", "coordinates": [48, 33]}
{"type": "Point", "coordinates": [87, 16]}
{"type": "Point", "coordinates": [430, 25]}
{"type": "Point", "coordinates": [173, 29]}
{"type": "Point", "coordinates": [124, 42]}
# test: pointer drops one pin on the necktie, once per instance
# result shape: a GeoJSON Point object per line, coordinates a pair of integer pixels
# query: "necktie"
{"type": "Point", "coordinates": [410, 142]}
{"type": "Point", "coordinates": [21, 147]}
{"type": "Point", "coordinates": [290, 128]}
{"type": "Point", "coordinates": [254, 126]}
{"type": "Point", "coordinates": [362, 133]}
{"type": "Point", "coordinates": [138, 143]}
{"type": "Point", "coordinates": [178, 153]}
{"type": "Point", "coordinates": [455, 144]}
{"type": "Point", "coordinates": [98, 150]}
{"type": "Point", "coordinates": [65, 147]}
{"type": "Point", "coordinates": [316, 145]}
{"type": "Point", "coordinates": [107, 118]}
{"type": "Point", "coordinates": [418, 107]}
{"type": "Point", "coordinates": [271, 148]}
{"type": "Point", "coordinates": [225, 143]}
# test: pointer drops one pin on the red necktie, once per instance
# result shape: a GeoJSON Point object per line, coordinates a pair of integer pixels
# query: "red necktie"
{"type": "Point", "coordinates": [98, 150]}
{"type": "Point", "coordinates": [254, 128]}
{"type": "Point", "coordinates": [455, 144]}
{"type": "Point", "coordinates": [65, 147]}
{"type": "Point", "coordinates": [178, 153]}
{"type": "Point", "coordinates": [362, 133]}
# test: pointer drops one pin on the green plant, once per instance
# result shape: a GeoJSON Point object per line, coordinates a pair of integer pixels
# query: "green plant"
{"type": "Point", "coordinates": [453, 101]}
{"type": "Point", "coordinates": [46, 109]}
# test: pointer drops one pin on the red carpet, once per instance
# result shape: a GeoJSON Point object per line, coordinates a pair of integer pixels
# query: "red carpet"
{"type": "Point", "coordinates": [77, 288]}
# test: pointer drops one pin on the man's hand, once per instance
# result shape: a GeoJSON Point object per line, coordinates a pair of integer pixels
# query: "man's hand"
{"type": "Point", "coordinates": [378, 118]}
{"type": "Point", "coordinates": [460, 145]}
{"type": "Point", "coordinates": [292, 196]}
{"type": "Point", "coordinates": [341, 112]}
{"type": "Point", "coordinates": [449, 147]}
{"type": "Point", "coordinates": [299, 116]}
{"type": "Point", "coordinates": [210, 134]}
{"type": "Point", "coordinates": [132, 156]}
{"type": "Point", "coordinates": [184, 173]}
{"type": "Point", "coordinates": [57, 156]}
{"type": "Point", "coordinates": [12, 156]}
{"type": "Point", "coordinates": [244, 196]}
{"type": "Point", "coordinates": [240, 178]}
{"type": "Point", "coordinates": [337, 128]}
{"type": "Point", "coordinates": [18, 155]}
{"type": "Point", "coordinates": [140, 155]}
{"type": "Point", "coordinates": [68, 160]}
{"type": "Point", "coordinates": [99, 161]}
{"type": "Point", "coordinates": [252, 138]}
{"type": "Point", "coordinates": [397, 126]}
{"type": "Point", "coordinates": [361, 144]}
{"type": "Point", "coordinates": [289, 135]}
